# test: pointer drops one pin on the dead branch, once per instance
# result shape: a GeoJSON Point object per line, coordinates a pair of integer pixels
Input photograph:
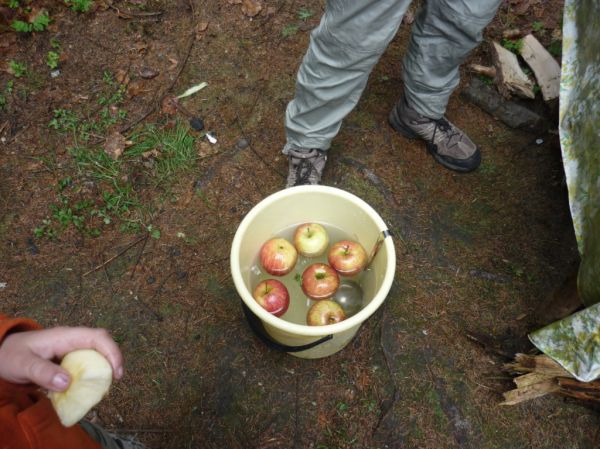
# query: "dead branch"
{"type": "Point", "coordinates": [119, 254]}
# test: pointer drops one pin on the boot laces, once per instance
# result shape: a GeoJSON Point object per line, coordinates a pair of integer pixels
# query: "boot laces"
{"type": "Point", "coordinates": [446, 128]}
{"type": "Point", "coordinates": [305, 169]}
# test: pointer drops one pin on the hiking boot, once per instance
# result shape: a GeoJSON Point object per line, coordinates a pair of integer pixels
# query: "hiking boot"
{"type": "Point", "coordinates": [123, 442]}
{"type": "Point", "coordinates": [450, 146]}
{"type": "Point", "coordinates": [305, 166]}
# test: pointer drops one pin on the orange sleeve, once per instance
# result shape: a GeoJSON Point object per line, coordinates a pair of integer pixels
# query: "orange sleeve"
{"type": "Point", "coordinates": [9, 325]}
{"type": "Point", "coordinates": [27, 419]}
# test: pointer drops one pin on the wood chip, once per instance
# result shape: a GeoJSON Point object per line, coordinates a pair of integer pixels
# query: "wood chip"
{"type": "Point", "coordinates": [544, 66]}
{"type": "Point", "coordinates": [510, 76]}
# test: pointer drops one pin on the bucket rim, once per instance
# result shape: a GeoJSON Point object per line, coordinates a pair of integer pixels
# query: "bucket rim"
{"type": "Point", "coordinates": [301, 329]}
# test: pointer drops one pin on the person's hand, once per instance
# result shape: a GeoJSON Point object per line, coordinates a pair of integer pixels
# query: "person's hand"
{"type": "Point", "coordinates": [27, 356]}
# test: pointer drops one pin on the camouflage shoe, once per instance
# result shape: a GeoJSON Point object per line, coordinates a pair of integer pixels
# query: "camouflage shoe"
{"type": "Point", "coordinates": [450, 146]}
{"type": "Point", "coordinates": [305, 166]}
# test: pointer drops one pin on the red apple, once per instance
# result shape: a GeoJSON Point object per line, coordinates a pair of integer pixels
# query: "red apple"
{"type": "Point", "coordinates": [347, 257]}
{"type": "Point", "coordinates": [320, 281]}
{"type": "Point", "coordinates": [272, 296]}
{"type": "Point", "coordinates": [278, 256]}
{"type": "Point", "coordinates": [311, 239]}
{"type": "Point", "coordinates": [325, 312]}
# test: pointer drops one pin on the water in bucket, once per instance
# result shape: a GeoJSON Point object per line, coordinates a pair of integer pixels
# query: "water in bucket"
{"type": "Point", "coordinates": [299, 302]}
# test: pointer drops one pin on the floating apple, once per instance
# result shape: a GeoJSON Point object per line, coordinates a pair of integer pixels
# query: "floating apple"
{"type": "Point", "coordinates": [320, 281]}
{"type": "Point", "coordinates": [325, 312]}
{"type": "Point", "coordinates": [349, 295]}
{"type": "Point", "coordinates": [311, 239]}
{"type": "Point", "coordinates": [272, 296]}
{"type": "Point", "coordinates": [347, 257]}
{"type": "Point", "coordinates": [278, 256]}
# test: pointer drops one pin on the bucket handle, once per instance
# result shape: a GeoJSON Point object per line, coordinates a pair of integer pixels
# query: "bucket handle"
{"type": "Point", "coordinates": [258, 328]}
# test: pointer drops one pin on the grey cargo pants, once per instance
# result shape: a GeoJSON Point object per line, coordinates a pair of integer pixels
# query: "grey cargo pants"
{"type": "Point", "coordinates": [350, 39]}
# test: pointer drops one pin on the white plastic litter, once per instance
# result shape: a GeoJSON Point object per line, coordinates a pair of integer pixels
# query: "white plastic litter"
{"type": "Point", "coordinates": [192, 90]}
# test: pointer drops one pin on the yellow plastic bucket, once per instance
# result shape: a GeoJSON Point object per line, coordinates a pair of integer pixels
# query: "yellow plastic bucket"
{"type": "Point", "coordinates": [298, 205]}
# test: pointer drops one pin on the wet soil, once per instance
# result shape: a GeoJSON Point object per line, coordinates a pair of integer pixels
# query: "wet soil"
{"type": "Point", "coordinates": [477, 254]}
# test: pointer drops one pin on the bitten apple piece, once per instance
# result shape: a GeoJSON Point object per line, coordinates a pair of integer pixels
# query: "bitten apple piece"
{"type": "Point", "coordinates": [91, 376]}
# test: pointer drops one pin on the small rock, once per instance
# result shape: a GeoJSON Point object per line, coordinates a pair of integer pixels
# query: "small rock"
{"type": "Point", "coordinates": [150, 279]}
{"type": "Point", "coordinates": [242, 143]}
{"type": "Point", "coordinates": [55, 73]}
{"type": "Point", "coordinates": [197, 123]}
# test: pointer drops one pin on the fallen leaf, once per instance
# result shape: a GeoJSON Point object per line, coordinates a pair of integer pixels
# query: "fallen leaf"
{"type": "Point", "coordinates": [271, 10]}
{"type": "Point", "coordinates": [103, 5]}
{"type": "Point", "coordinates": [200, 29]}
{"type": "Point", "coordinates": [169, 106]}
{"type": "Point", "coordinates": [539, 11]}
{"type": "Point", "coordinates": [140, 46]}
{"type": "Point", "coordinates": [251, 7]}
{"type": "Point", "coordinates": [205, 149]}
{"type": "Point", "coordinates": [148, 73]}
{"type": "Point", "coordinates": [122, 77]}
{"type": "Point", "coordinates": [115, 144]}
{"type": "Point", "coordinates": [35, 13]}
{"type": "Point", "coordinates": [173, 62]}
{"type": "Point", "coordinates": [152, 153]}
{"type": "Point", "coordinates": [520, 7]}
{"type": "Point", "coordinates": [234, 2]}
{"type": "Point", "coordinates": [8, 40]}
{"type": "Point", "coordinates": [135, 88]}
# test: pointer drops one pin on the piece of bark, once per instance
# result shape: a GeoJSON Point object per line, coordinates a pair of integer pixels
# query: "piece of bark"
{"type": "Point", "coordinates": [544, 66]}
{"type": "Point", "coordinates": [507, 111]}
{"type": "Point", "coordinates": [511, 78]}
